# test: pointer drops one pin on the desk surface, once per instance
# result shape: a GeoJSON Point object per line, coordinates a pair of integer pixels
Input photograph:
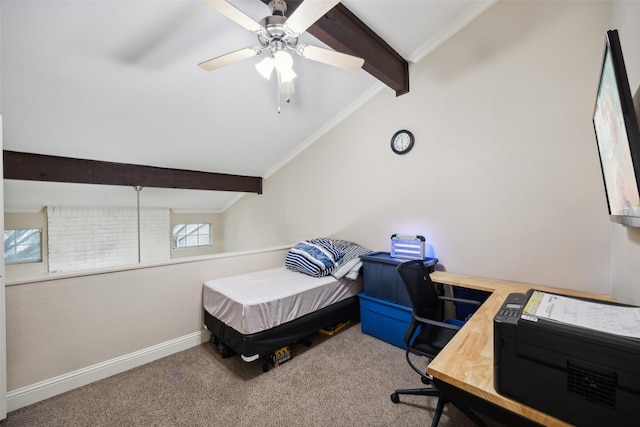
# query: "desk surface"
{"type": "Point", "coordinates": [467, 360]}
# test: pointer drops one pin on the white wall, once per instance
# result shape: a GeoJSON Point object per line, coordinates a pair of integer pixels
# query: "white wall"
{"type": "Point", "coordinates": [86, 237]}
{"type": "Point", "coordinates": [625, 241]}
{"type": "Point", "coordinates": [504, 179]}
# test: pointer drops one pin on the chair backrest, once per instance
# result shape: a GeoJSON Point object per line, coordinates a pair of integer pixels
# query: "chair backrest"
{"type": "Point", "coordinates": [421, 289]}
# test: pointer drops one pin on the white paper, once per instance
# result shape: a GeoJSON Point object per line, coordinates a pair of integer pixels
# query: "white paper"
{"type": "Point", "coordinates": [613, 319]}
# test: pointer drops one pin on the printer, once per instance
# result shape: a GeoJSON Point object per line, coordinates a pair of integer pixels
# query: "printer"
{"type": "Point", "coordinates": [575, 359]}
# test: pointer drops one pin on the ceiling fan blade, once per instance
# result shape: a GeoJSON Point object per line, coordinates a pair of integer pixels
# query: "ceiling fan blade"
{"type": "Point", "coordinates": [229, 58]}
{"type": "Point", "coordinates": [235, 14]}
{"type": "Point", "coordinates": [307, 13]}
{"type": "Point", "coordinates": [330, 57]}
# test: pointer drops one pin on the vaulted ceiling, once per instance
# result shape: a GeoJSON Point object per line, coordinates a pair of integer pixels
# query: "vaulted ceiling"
{"type": "Point", "coordinates": [117, 82]}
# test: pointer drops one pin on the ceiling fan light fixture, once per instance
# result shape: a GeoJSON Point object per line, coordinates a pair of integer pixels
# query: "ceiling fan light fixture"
{"type": "Point", "coordinates": [283, 60]}
{"type": "Point", "coordinates": [287, 75]}
{"type": "Point", "coordinates": [265, 67]}
{"type": "Point", "coordinates": [284, 65]}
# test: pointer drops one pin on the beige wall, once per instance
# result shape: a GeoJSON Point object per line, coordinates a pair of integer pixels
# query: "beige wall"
{"type": "Point", "coordinates": [504, 179]}
{"type": "Point", "coordinates": [59, 326]}
{"type": "Point", "coordinates": [625, 241]}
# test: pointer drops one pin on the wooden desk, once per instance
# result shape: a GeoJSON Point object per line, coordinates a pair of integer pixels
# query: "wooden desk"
{"type": "Point", "coordinates": [466, 363]}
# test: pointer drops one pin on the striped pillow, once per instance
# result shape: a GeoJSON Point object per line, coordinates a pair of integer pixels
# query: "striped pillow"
{"type": "Point", "coordinates": [315, 257]}
{"type": "Point", "coordinates": [328, 244]}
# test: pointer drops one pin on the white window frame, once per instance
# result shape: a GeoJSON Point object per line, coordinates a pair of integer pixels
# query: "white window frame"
{"type": "Point", "coordinates": [191, 236]}
{"type": "Point", "coordinates": [14, 249]}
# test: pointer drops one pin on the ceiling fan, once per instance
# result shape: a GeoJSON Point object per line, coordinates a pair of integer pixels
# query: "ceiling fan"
{"type": "Point", "coordinates": [278, 36]}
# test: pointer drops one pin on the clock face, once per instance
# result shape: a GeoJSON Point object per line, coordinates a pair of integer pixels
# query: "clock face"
{"type": "Point", "coordinates": [402, 142]}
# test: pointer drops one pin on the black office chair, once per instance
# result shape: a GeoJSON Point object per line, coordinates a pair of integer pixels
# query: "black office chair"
{"type": "Point", "coordinates": [428, 332]}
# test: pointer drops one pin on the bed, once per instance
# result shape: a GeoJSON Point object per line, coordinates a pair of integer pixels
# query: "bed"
{"type": "Point", "coordinates": [255, 314]}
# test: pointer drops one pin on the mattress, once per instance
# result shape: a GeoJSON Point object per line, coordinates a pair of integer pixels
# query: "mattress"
{"type": "Point", "coordinates": [254, 302]}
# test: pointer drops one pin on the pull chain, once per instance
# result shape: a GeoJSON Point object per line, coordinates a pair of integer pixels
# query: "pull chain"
{"type": "Point", "coordinates": [278, 90]}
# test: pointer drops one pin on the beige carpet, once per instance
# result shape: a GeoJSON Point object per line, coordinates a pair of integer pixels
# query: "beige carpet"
{"type": "Point", "coordinates": [344, 380]}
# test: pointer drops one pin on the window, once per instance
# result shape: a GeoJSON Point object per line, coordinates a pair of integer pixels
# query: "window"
{"type": "Point", "coordinates": [22, 246]}
{"type": "Point", "coordinates": [191, 235]}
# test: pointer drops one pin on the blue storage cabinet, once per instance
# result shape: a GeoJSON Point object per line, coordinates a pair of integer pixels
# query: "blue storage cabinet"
{"type": "Point", "coordinates": [385, 307]}
{"type": "Point", "coordinates": [384, 320]}
{"type": "Point", "coordinates": [381, 279]}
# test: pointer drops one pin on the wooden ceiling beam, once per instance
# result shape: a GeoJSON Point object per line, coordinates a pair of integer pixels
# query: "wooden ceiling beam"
{"type": "Point", "coordinates": [344, 32]}
{"type": "Point", "coordinates": [40, 167]}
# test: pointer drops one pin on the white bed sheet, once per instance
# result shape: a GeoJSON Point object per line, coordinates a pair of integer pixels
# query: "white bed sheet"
{"type": "Point", "coordinates": [254, 302]}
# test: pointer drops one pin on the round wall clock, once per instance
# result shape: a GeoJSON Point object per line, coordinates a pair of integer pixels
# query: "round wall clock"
{"type": "Point", "coordinates": [402, 142]}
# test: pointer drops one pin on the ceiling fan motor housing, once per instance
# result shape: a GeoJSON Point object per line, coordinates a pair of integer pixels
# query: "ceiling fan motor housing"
{"type": "Point", "coordinates": [278, 7]}
{"type": "Point", "coordinates": [276, 33]}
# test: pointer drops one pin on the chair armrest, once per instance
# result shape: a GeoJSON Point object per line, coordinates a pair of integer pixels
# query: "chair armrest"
{"type": "Point", "coordinates": [436, 323]}
{"type": "Point", "coordinates": [462, 301]}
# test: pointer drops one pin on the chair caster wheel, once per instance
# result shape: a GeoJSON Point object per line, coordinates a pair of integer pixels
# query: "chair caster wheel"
{"type": "Point", "coordinates": [395, 398]}
{"type": "Point", "coordinates": [426, 380]}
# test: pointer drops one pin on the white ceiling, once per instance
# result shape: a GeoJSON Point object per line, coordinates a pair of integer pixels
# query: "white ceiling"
{"type": "Point", "coordinates": [118, 81]}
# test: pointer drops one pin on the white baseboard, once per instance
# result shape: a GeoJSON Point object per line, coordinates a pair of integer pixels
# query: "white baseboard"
{"type": "Point", "coordinates": [45, 389]}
